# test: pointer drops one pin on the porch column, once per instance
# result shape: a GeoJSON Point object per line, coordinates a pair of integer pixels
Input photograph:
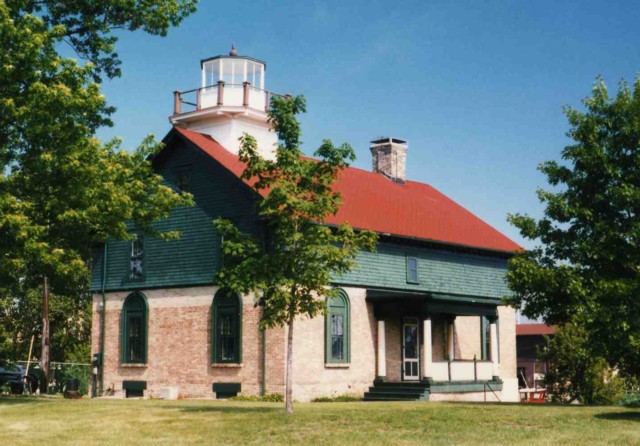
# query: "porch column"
{"type": "Point", "coordinates": [382, 354]}
{"type": "Point", "coordinates": [493, 334]}
{"type": "Point", "coordinates": [427, 353]}
{"type": "Point", "coordinates": [451, 347]}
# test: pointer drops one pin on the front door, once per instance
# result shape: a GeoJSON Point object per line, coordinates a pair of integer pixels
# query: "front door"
{"type": "Point", "coordinates": [410, 350]}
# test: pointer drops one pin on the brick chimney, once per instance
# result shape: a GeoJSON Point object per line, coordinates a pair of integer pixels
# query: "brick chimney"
{"type": "Point", "coordinates": [390, 158]}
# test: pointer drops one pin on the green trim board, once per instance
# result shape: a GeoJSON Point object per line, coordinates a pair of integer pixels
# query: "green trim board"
{"type": "Point", "coordinates": [135, 325]}
{"type": "Point", "coordinates": [463, 386]}
{"type": "Point", "coordinates": [338, 330]}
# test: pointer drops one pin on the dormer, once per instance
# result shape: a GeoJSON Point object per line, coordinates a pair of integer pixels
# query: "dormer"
{"type": "Point", "coordinates": [230, 101]}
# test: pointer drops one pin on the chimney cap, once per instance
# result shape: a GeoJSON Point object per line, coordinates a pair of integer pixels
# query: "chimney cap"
{"type": "Point", "coordinates": [388, 140]}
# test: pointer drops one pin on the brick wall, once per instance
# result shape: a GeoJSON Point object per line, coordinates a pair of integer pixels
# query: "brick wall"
{"type": "Point", "coordinates": [179, 345]}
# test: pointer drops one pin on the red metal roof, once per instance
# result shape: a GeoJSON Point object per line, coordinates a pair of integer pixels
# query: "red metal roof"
{"type": "Point", "coordinates": [372, 201]}
{"type": "Point", "coordinates": [534, 329]}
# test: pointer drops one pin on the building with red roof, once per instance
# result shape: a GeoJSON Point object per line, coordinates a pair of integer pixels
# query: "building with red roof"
{"type": "Point", "coordinates": [417, 319]}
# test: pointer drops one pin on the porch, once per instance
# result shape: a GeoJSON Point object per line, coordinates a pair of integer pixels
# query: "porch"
{"type": "Point", "coordinates": [434, 343]}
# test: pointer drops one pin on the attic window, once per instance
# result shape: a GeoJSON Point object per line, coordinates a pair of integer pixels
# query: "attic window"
{"type": "Point", "coordinates": [412, 270]}
{"type": "Point", "coordinates": [183, 179]}
{"type": "Point", "coordinates": [136, 263]}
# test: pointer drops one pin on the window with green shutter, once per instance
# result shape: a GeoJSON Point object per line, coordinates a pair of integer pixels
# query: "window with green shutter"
{"type": "Point", "coordinates": [338, 330]}
{"type": "Point", "coordinates": [227, 327]}
{"type": "Point", "coordinates": [134, 329]}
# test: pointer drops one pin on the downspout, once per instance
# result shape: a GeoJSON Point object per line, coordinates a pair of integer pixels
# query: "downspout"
{"type": "Point", "coordinates": [263, 384]}
{"type": "Point", "coordinates": [103, 316]}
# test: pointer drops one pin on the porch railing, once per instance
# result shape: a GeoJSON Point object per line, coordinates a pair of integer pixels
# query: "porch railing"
{"type": "Point", "coordinates": [462, 370]}
{"type": "Point", "coordinates": [222, 94]}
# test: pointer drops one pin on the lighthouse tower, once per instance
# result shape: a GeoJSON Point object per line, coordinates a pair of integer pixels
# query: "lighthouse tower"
{"type": "Point", "coordinates": [231, 100]}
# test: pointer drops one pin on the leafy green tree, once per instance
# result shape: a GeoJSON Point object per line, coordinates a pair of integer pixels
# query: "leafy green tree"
{"type": "Point", "coordinates": [62, 191]}
{"type": "Point", "coordinates": [292, 269]}
{"type": "Point", "coordinates": [586, 266]}
{"type": "Point", "coordinates": [575, 373]}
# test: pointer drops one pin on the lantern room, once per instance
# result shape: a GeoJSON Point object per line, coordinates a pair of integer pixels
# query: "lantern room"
{"type": "Point", "coordinates": [230, 101]}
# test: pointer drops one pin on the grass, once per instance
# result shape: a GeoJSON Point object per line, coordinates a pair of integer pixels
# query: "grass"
{"type": "Point", "coordinates": [53, 421]}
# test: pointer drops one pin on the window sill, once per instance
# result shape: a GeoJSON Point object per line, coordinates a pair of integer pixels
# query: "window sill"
{"type": "Point", "coordinates": [226, 365]}
{"type": "Point", "coordinates": [336, 366]}
{"type": "Point", "coordinates": [134, 366]}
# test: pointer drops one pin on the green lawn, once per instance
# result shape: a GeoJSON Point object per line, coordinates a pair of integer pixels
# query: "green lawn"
{"type": "Point", "coordinates": [56, 421]}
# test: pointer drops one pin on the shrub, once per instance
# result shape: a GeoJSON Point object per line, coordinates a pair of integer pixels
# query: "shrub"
{"type": "Point", "coordinates": [268, 398]}
{"type": "Point", "coordinates": [345, 398]}
{"type": "Point", "coordinates": [631, 400]}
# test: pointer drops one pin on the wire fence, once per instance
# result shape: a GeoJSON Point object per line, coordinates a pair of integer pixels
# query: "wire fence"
{"type": "Point", "coordinates": [60, 373]}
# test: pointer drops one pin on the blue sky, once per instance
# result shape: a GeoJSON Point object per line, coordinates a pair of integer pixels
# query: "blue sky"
{"type": "Point", "coordinates": [476, 88]}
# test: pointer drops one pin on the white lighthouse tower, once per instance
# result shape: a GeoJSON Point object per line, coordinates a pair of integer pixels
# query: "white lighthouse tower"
{"type": "Point", "coordinates": [231, 100]}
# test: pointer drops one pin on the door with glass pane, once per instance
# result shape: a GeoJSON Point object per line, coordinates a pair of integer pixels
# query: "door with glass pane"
{"type": "Point", "coordinates": [410, 350]}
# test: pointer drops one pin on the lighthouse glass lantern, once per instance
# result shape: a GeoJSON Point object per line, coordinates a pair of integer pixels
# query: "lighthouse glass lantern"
{"type": "Point", "coordinates": [231, 101]}
{"type": "Point", "coordinates": [229, 77]}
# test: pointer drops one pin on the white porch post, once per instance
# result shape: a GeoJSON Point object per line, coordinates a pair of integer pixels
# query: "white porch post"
{"type": "Point", "coordinates": [427, 353]}
{"type": "Point", "coordinates": [451, 350]}
{"type": "Point", "coordinates": [382, 355]}
{"type": "Point", "coordinates": [493, 334]}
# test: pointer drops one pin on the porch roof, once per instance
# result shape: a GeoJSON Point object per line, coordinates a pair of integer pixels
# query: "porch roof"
{"type": "Point", "coordinates": [441, 303]}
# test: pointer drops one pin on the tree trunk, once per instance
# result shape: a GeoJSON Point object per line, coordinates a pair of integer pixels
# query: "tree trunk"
{"type": "Point", "coordinates": [288, 390]}
{"type": "Point", "coordinates": [45, 354]}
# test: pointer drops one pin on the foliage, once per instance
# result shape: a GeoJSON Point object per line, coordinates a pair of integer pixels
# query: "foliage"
{"type": "Point", "coordinates": [585, 267]}
{"type": "Point", "coordinates": [292, 268]}
{"type": "Point", "coordinates": [62, 192]}
{"type": "Point", "coordinates": [631, 400]}
{"type": "Point", "coordinates": [20, 317]}
{"type": "Point", "coordinates": [345, 398]}
{"type": "Point", "coordinates": [268, 398]}
{"type": "Point", "coordinates": [575, 373]}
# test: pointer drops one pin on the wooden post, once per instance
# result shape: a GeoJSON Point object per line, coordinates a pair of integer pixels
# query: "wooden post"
{"type": "Point", "coordinates": [427, 352]}
{"type": "Point", "coordinates": [198, 99]}
{"type": "Point", "coordinates": [493, 329]}
{"type": "Point", "coordinates": [177, 103]}
{"type": "Point", "coordinates": [382, 353]}
{"type": "Point", "coordinates": [245, 93]}
{"type": "Point", "coordinates": [220, 93]}
{"type": "Point", "coordinates": [267, 101]}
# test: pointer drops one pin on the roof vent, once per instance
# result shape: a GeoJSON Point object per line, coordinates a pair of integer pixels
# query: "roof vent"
{"type": "Point", "coordinates": [390, 158]}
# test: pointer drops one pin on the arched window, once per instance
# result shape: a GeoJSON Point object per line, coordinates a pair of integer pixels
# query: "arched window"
{"type": "Point", "coordinates": [338, 330]}
{"type": "Point", "coordinates": [226, 324]}
{"type": "Point", "coordinates": [134, 329]}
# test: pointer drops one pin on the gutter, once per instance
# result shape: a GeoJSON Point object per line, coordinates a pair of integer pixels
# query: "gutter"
{"type": "Point", "coordinates": [103, 316]}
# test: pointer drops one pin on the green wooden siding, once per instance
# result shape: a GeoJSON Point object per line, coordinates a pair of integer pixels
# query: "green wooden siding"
{"type": "Point", "coordinates": [439, 271]}
{"type": "Point", "coordinates": [194, 258]}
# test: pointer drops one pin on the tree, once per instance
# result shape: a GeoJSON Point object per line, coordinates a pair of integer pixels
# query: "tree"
{"type": "Point", "coordinates": [62, 191]}
{"type": "Point", "coordinates": [575, 372]}
{"type": "Point", "coordinates": [292, 269]}
{"type": "Point", "coordinates": [586, 266]}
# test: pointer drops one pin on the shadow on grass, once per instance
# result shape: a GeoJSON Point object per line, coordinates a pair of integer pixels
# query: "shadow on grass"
{"type": "Point", "coordinates": [631, 415]}
{"type": "Point", "coordinates": [227, 409]}
{"type": "Point", "coordinates": [10, 400]}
